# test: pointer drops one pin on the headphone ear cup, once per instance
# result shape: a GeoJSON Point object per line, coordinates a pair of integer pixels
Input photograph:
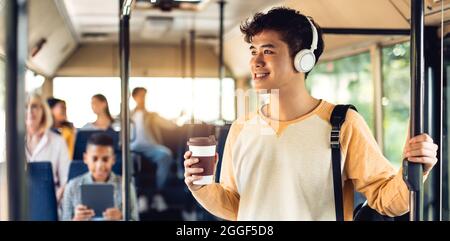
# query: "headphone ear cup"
{"type": "Point", "coordinates": [304, 61]}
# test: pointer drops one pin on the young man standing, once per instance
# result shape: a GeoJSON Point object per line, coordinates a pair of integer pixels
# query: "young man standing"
{"type": "Point", "coordinates": [277, 163]}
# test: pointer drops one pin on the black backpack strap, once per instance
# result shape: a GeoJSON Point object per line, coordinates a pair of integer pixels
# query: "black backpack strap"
{"type": "Point", "coordinates": [337, 119]}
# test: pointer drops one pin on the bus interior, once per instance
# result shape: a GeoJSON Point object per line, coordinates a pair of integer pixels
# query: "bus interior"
{"type": "Point", "coordinates": [194, 63]}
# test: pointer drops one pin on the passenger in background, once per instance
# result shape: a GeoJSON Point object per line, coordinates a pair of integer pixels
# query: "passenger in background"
{"type": "Point", "coordinates": [148, 139]}
{"type": "Point", "coordinates": [60, 124]}
{"type": "Point", "coordinates": [99, 157]}
{"type": "Point", "coordinates": [100, 107]}
{"type": "Point", "coordinates": [42, 144]}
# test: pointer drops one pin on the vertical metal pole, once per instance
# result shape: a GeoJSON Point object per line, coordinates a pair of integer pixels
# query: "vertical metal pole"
{"type": "Point", "coordinates": [125, 112]}
{"type": "Point", "coordinates": [120, 34]}
{"type": "Point", "coordinates": [441, 115]}
{"type": "Point", "coordinates": [192, 40]}
{"type": "Point", "coordinates": [183, 58]}
{"type": "Point", "coordinates": [412, 172]}
{"type": "Point", "coordinates": [16, 55]}
{"type": "Point", "coordinates": [221, 61]}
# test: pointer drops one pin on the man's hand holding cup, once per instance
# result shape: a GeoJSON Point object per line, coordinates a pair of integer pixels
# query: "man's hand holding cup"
{"type": "Point", "coordinates": [200, 162]}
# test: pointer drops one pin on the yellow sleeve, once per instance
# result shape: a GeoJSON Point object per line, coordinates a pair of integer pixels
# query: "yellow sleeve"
{"type": "Point", "coordinates": [222, 199]}
{"type": "Point", "coordinates": [371, 173]}
{"type": "Point", "coordinates": [69, 136]}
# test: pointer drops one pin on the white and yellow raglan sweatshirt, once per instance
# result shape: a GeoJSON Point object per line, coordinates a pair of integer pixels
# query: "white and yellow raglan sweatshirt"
{"type": "Point", "coordinates": [281, 170]}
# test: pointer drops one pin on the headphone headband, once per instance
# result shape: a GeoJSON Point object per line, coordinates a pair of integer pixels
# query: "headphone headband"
{"type": "Point", "coordinates": [314, 37]}
{"type": "Point", "coordinates": [305, 59]}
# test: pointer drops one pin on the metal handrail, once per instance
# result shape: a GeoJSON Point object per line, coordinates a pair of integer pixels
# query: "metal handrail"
{"type": "Point", "coordinates": [124, 53]}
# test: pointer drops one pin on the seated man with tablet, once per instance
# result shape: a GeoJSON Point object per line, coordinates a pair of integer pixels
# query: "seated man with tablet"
{"type": "Point", "coordinates": [97, 195]}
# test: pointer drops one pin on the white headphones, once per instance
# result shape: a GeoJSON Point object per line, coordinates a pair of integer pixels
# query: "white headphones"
{"type": "Point", "coordinates": [305, 59]}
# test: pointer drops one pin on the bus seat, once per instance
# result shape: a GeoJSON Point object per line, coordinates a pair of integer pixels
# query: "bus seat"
{"type": "Point", "coordinates": [136, 167]}
{"type": "Point", "coordinates": [176, 194]}
{"type": "Point", "coordinates": [117, 168]}
{"type": "Point", "coordinates": [83, 137]}
{"type": "Point", "coordinates": [187, 131]}
{"type": "Point", "coordinates": [77, 168]}
{"type": "Point", "coordinates": [41, 189]}
{"type": "Point", "coordinates": [221, 139]}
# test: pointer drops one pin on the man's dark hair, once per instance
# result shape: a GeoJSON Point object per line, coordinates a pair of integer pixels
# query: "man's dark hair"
{"type": "Point", "coordinates": [293, 27]}
{"type": "Point", "coordinates": [137, 90]}
{"type": "Point", "coordinates": [100, 139]}
{"type": "Point", "coordinates": [52, 102]}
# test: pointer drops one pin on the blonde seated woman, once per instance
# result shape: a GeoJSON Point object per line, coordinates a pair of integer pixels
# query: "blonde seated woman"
{"type": "Point", "coordinates": [44, 145]}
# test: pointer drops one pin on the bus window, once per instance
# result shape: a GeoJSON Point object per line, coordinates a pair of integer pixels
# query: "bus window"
{"type": "Point", "coordinates": [33, 81]}
{"type": "Point", "coordinates": [396, 99]}
{"type": "Point", "coordinates": [349, 80]}
{"type": "Point", "coordinates": [346, 81]}
{"type": "Point", "coordinates": [78, 91]}
{"type": "Point", "coordinates": [179, 103]}
{"type": "Point", "coordinates": [171, 103]}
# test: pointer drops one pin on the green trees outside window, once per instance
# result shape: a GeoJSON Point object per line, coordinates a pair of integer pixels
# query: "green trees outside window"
{"type": "Point", "coordinates": [396, 99]}
{"type": "Point", "coordinates": [345, 81]}
{"type": "Point", "coordinates": [349, 81]}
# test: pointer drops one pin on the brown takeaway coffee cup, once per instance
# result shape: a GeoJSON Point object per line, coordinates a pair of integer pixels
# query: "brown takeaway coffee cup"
{"type": "Point", "coordinates": [203, 148]}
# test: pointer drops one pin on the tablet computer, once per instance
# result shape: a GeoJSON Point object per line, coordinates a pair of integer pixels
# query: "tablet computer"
{"type": "Point", "coordinates": [98, 196]}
